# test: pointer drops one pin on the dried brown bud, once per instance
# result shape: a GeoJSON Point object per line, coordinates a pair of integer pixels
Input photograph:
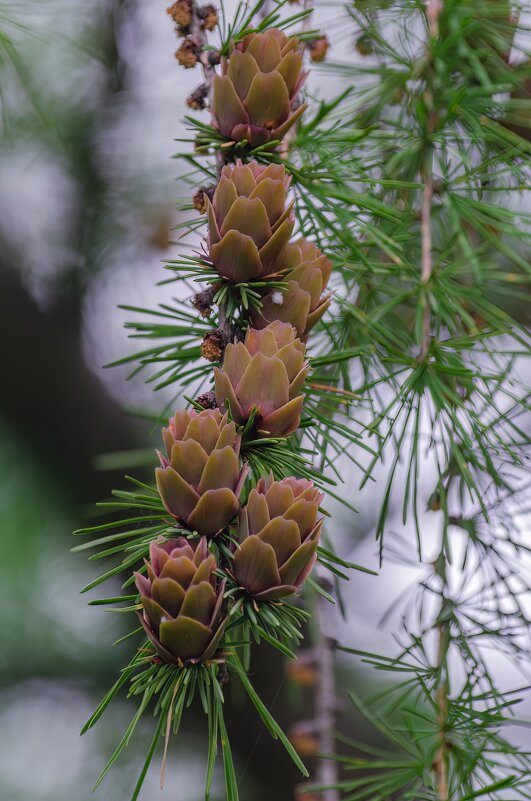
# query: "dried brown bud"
{"type": "Point", "coordinates": [480, 321]}
{"type": "Point", "coordinates": [214, 58]}
{"type": "Point", "coordinates": [434, 502]}
{"type": "Point", "coordinates": [197, 100]}
{"type": "Point", "coordinates": [199, 197]}
{"type": "Point", "coordinates": [181, 13]}
{"type": "Point", "coordinates": [398, 96]}
{"type": "Point", "coordinates": [305, 743]}
{"type": "Point", "coordinates": [318, 49]}
{"type": "Point", "coordinates": [207, 400]}
{"type": "Point", "coordinates": [364, 45]}
{"type": "Point", "coordinates": [209, 16]}
{"type": "Point", "coordinates": [212, 345]}
{"type": "Point", "coordinates": [304, 674]}
{"type": "Point", "coordinates": [188, 52]}
{"type": "Point", "coordinates": [199, 201]}
{"type": "Point", "coordinates": [203, 301]}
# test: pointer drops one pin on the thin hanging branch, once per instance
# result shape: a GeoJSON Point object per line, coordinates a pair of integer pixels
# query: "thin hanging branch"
{"type": "Point", "coordinates": [432, 12]}
{"type": "Point", "coordinates": [426, 248]}
{"type": "Point", "coordinates": [326, 700]}
{"type": "Point", "coordinates": [465, 409]}
{"type": "Point", "coordinates": [433, 9]}
{"type": "Point", "coordinates": [440, 764]}
{"type": "Point", "coordinates": [323, 648]}
{"type": "Point", "coordinates": [206, 55]}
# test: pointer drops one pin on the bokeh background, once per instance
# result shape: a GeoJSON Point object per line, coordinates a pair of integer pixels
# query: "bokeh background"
{"type": "Point", "coordinates": [91, 105]}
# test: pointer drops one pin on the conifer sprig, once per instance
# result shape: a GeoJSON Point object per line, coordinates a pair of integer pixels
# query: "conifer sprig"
{"type": "Point", "coordinates": [433, 296]}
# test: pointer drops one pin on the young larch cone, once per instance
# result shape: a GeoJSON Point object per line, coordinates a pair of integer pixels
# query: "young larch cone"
{"type": "Point", "coordinates": [255, 97]}
{"type": "Point", "coordinates": [200, 478]}
{"type": "Point", "coordinates": [302, 303]}
{"type": "Point", "coordinates": [249, 224]}
{"type": "Point", "coordinates": [182, 600]}
{"type": "Point", "coordinates": [279, 532]}
{"type": "Point", "coordinates": [264, 373]}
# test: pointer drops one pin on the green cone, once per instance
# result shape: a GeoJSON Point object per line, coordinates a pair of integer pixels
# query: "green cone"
{"type": "Point", "coordinates": [182, 600]}
{"type": "Point", "coordinates": [279, 533]}
{"type": "Point", "coordinates": [200, 478]}
{"type": "Point", "coordinates": [266, 372]}
{"type": "Point", "coordinates": [255, 97]}
{"type": "Point", "coordinates": [302, 303]}
{"type": "Point", "coordinates": [248, 222]}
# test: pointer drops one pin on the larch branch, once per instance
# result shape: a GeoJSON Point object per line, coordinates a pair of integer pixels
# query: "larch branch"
{"type": "Point", "coordinates": [326, 698]}
{"type": "Point", "coordinates": [433, 8]}
{"type": "Point", "coordinates": [441, 699]}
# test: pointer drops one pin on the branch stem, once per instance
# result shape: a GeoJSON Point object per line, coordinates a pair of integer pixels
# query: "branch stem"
{"type": "Point", "coordinates": [441, 698]}
{"type": "Point", "coordinates": [426, 263]}
{"type": "Point", "coordinates": [433, 8]}
{"type": "Point", "coordinates": [326, 699]}
{"type": "Point", "coordinates": [325, 645]}
{"type": "Point", "coordinates": [442, 626]}
{"type": "Point", "coordinates": [198, 32]}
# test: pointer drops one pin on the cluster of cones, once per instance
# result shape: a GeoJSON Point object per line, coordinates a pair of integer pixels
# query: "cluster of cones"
{"type": "Point", "coordinates": [202, 475]}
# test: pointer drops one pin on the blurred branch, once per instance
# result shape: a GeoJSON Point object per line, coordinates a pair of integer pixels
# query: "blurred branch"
{"type": "Point", "coordinates": [426, 268]}
{"type": "Point", "coordinates": [433, 8]}
{"type": "Point", "coordinates": [197, 30]}
{"type": "Point", "coordinates": [432, 11]}
{"type": "Point", "coordinates": [326, 697]}
{"type": "Point", "coordinates": [440, 765]}
{"type": "Point", "coordinates": [441, 700]}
